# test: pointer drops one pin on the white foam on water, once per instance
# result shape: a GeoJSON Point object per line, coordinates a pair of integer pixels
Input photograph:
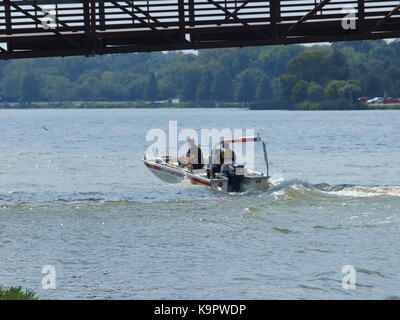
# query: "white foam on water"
{"type": "Point", "coordinates": [280, 185]}
{"type": "Point", "coordinates": [358, 191]}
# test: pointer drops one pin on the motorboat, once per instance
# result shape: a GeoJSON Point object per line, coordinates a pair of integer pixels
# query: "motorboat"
{"type": "Point", "coordinates": [232, 177]}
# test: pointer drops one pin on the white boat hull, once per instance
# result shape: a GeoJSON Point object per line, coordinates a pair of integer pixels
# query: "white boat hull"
{"type": "Point", "coordinates": [173, 174]}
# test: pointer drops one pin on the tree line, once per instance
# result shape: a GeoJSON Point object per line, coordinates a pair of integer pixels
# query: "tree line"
{"type": "Point", "coordinates": [310, 77]}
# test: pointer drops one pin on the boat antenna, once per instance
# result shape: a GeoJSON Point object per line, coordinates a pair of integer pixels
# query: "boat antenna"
{"type": "Point", "coordinates": [265, 153]}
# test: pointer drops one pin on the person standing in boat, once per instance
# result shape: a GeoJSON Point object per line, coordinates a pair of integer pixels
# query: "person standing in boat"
{"type": "Point", "coordinates": [219, 157]}
{"type": "Point", "coordinates": [227, 154]}
{"type": "Point", "coordinates": [193, 159]}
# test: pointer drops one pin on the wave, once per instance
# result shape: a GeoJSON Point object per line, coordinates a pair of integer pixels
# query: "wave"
{"type": "Point", "coordinates": [143, 196]}
{"type": "Point", "coordinates": [302, 188]}
{"type": "Point", "coordinates": [364, 191]}
{"type": "Point", "coordinates": [293, 188]}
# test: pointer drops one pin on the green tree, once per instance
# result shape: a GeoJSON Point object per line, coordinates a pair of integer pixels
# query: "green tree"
{"type": "Point", "coordinates": [221, 87]}
{"type": "Point", "coordinates": [246, 83]}
{"type": "Point", "coordinates": [309, 66]}
{"type": "Point", "coordinates": [264, 90]}
{"type": "Point", "coordinates": [350, 91]}
{"type": "Point", "coordinates": [10, 89]}
{"type": "Point", "coordinates": [287, 82]}
{"type": "Point", "coordinates": [346, 90]}
{"type": "Point", "coordinates": [246, 74]}
{"type": "Point", "coordinates": [204, 86]}
{"type": "Point", "coordinates": [332, 89]}
{"type": "Point", "coordinates": [135, 87]}
{"type": "Point", "coordinates": [190, 80]}
{"type": "Point", "coordinates": [373, 86]}
{"type": "Point", "coordinates": [151, 90]}
{"type": "Point", "coordinates": [58, 88]}
{"type": "Point", "coordinates": [315, 92]}
{"type": "Point", "coordinates": [30, 88]}
{"type": "Point", "coordinates": [273, 60]}
{"type": "Point", "coordinates": [300, 90]}
{"type": "Point", "coordinates": [391, 77]}
{"type": "Point", "coordinates": [338, 68]}
{"type": "Point", "coordinates": [83, 92]}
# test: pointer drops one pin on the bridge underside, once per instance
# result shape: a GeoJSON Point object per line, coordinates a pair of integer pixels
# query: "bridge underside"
{"type": "Point", "coordinates": [45, 28]}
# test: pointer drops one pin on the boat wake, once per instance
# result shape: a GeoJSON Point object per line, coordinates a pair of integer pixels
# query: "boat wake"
{"type": "Point", "coordinates": [298, 186]}
{"type": "Point", "coordinates": [185, 191]}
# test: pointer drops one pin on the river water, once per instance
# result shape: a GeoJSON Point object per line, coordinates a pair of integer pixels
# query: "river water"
{"type": "Point", "coordinates": [74, 194]}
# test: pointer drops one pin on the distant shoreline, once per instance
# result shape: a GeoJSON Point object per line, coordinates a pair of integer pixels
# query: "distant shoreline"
{"type": "Point", "coordinates": [168, 105]}
{"type": "Point", "coordinates": [119, 105]}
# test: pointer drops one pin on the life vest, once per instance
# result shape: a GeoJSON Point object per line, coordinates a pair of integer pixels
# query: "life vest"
{"type": "Point", "coordinates": [196, 152]}
{"type": "Point", "coordinates": [227, 156]}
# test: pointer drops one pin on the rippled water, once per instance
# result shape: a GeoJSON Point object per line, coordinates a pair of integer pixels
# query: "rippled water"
{"type": "Point", "coordinates": [74, 194]}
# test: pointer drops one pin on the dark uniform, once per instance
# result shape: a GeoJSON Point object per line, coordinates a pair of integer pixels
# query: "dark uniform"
{"type": "Point", "coordinates": [220, 157]}
{"type": "Point", "coordinates": [197, 162]}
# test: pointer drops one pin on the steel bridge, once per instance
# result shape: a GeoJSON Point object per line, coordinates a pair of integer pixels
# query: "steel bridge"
{"type": "Point", "coordinates": [45, 28]}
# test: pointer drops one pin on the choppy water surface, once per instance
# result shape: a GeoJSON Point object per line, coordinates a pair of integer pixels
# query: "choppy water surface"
{"type": "Point", "coordinates": [77, 196]}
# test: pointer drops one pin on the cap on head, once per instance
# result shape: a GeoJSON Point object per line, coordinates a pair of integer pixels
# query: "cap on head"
{"type": "Point", "coordinates": [190, 140]}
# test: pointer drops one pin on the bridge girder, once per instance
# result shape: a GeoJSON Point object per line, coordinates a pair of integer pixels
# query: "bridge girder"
{"type": "Point", "coordinates": [44, 28]}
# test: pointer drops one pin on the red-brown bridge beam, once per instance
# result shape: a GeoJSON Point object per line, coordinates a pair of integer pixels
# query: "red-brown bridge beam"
{"type": "Point", "coordinates": [88, 27]}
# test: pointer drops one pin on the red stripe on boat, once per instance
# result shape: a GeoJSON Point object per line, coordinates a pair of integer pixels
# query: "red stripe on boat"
{"type": "Point", "coordinates": [201, 181]}
{"type": "Point", "coordinates": [248, 139]}
{"type": "Point", "coordinates": [178, 174]}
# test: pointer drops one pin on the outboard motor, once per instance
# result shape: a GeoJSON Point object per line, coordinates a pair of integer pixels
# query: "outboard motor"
{"type": "Point", "coordinates": [235, 174]}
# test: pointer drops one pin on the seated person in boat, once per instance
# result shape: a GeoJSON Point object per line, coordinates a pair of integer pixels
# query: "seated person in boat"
{"type": "Point", "coordinates": [193, 159]}
{"type": "Point", "coordinates": [224, 155]}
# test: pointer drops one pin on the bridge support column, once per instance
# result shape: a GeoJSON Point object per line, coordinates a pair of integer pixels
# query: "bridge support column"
{"type": "Point", "coordinates": [361, 12]}
{"type": "Point", "coordinates": [86, 19]}
{"type": "Point", "coordinates": [275, 16]}
{"type": "Point", "coordinates": [102, 16]}
{"type": "Point", "coordinates": [191, 13]}
{"type": "Point", "coordinates": [89, 12]}
{"type": "Point", "coordinates": [93, 21]}
{"type": "Point", "coordinates": [7, 9]}
{"type": "Point", "coordinates": [95, 41]}
{"type": "Point", "coordinates": [275, 11]}
{"type": "Point", "coordinates": [181, 9]}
